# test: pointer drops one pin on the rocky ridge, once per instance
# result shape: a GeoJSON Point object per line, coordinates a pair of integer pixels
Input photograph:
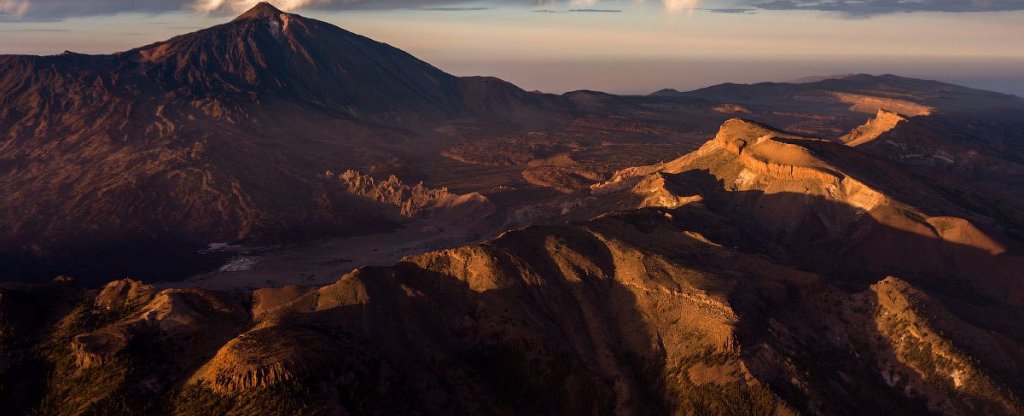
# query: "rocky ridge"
{"type": "Point", "coordinates": [686, 307]}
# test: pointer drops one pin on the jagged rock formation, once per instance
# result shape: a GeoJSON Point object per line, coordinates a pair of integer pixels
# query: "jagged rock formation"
{"type": "Point", "coordinates": [417, 200]}
{"type": "Point", "coordinates": [882, 123]}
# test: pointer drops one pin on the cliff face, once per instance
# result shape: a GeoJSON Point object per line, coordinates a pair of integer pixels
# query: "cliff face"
{"type": "Point", "coordinates": [837, 210]}
{"type": "Point", "coordinates": [883, 122]}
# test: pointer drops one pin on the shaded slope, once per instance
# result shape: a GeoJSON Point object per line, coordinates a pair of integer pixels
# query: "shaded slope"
{"type": "Point", "coordinates": [644, 312]}
{"type": "Point", "coordinates": [826, 207]}
{"type": "Point", "coordinates": [218, 135]}
{"type": "Point", "coordinates": [262, 55]}
{"type": "Point", "coordinates": [832, 107]}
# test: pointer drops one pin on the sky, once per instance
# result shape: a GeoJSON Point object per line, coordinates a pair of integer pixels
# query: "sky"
{"type": "Point", "coordinates": [617, 46]}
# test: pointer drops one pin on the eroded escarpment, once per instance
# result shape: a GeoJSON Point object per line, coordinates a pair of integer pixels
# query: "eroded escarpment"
{"type": "Point", "coordinates": [883, 122]}
{"type": "Point", "coordinates": [834, 209]}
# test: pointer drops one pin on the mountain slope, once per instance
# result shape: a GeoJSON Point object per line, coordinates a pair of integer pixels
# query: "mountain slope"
{"type": "Point", "coordinates": [764, 273]}
{"type": "Point", "coordinates": [223, 135]}
{"type": "Point", "coordinates": [832, 107]}
{"type": "Point", "coordinates": [218, 135]}
{"type": "Point", "coordinates": [639, 312]}
{"type": "Point", "coordinates": [835, 209]}
{"type": "Point", "coordinates": [264, 54]}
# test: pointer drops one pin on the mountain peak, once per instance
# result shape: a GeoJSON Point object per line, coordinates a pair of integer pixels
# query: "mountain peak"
{"type": "Point", "coordinates": [262, 10]}
{"type": "Point", "coordinates": [736, 134]}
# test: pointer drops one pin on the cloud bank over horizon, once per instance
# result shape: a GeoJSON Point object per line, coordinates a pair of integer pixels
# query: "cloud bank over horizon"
{"type": "Point", "coordinates": [864, 8]}
{"type": "Point", "coordinates": [55, 10]}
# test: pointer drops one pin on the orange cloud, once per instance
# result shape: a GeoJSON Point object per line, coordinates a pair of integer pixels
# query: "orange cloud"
{"type": "Point", "coordinates": [677, 6]}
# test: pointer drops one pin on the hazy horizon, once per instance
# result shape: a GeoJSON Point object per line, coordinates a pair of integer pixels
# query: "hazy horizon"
{"type": "Point", "coordinates": [620, 47]}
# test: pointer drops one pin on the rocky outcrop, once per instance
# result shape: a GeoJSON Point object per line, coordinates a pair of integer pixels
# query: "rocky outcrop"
{"type": "Point", "coordinates": [929, 353]}
{"type": "Point", "coordinates": [561, 173]}
{"type": "Point", "coordinates": [125, 294]}
{"type": "Point", "coordinates": [174, 310]}
{"type": "Point", "coordinates": [766, 152]}
{"type": "Point", "coordinates": [807, 194]}
{"type": "Point", "coordinates": [589, 298]}
{"type": "Point", "coordinates": [267, 357]}
{"type": "Point", "coordinates": [99, 347]}
{"type": "Point", "coordinates": [642, 311]}
{"type": "Point", "coordinates": [417, 200]}
{"type": "Point", "coordinates": [883, 122]}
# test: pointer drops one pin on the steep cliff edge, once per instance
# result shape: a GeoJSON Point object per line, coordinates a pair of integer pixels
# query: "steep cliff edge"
{"type": "Point", "coordinates": [835, 209]}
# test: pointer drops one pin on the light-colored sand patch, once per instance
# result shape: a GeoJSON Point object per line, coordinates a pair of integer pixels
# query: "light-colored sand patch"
{"type": "Point", "coordinates": [240, 263]}
{"type": "Point", "coordinates": [871, 104]}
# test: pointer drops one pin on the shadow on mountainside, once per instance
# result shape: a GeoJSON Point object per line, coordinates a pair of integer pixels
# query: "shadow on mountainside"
{"type": "Point", "coordinates": [855, 249]}
{"type": "Point", "coordinates": [555, 325]}
{"type": "Point", "coordinates": [547, 327]}
{"type": "Point", "coordinates": [96, 258]}
{"type": "Point", "coordinates": [640, 312]}
{"type": "Point", "coordinates": [519, 338]}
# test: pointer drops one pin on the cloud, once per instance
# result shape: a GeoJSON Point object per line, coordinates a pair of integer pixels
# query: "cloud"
{"type": "Point", "coordinates": [239, 6]}
{"type": "Point", "coordinates": [677, 6]}
{"type": "Point", "coordinates": [865, 8]}
{"type": "Point", "coordinates": [595, 11]}
{"type": "Point", "coordinates": [16, 8]}
{"type": "Point", "coordinates": [578, 11]}
{"type": "Point", "coordinates": [55, 10]}
{"type": "Point", "coordinates": [452, 9]}
{"type": "Point", "coordinates": [34, 30]}
{"type": "Point", "coordinates": [730, 10]}
{"type": "Point", "coordinates": [51, 10]}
